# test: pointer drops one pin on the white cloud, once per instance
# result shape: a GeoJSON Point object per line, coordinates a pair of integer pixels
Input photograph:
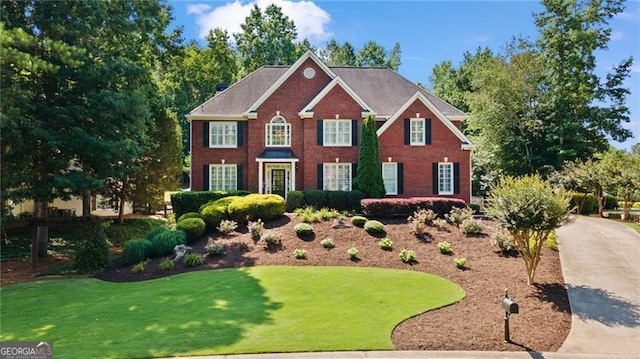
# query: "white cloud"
{"type": "Point", "coordinates": [630, 15]}
{"type": "Point", "coordinates": [617, 36]}
{"type": "Point", "coordinates": [311, 21]}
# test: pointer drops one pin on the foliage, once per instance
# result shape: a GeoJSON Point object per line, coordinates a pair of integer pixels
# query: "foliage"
{"type": "Point", "coordinates": [358, 221]}
{"type": "Point", "coordinates": [403, 207]}
{"type": "Point", "coordinates": [445, 247]}
{"type": "Point", "coordinates": [162, 240]}
{"type": "Point", "coordinates": [352, 253]}
{"type": "Point", "coordinates": [192, 227]}
{"type": "Point", "coordinates": [295, 200]}
{"type": "Point", "coordinates": [460, 263]}
{"type": "Point", "coordinates": [303, 229]}
{"type": "Point", "coordinates": [271, 239]}
{"type": "Point", "coordinates": [192, 259]}
{"type": "Point", "coordinates": [440, 223]}
{"type": "Point", "coordinates": [192, 201]}
{"type": "Point", "coordinates": [420, 219]}
{"type": "Point", "coordinates": [140, 267]}
{"type": "Point", "coordinates": [254, 206]}
{"type": "Point", "coordinates": [255, 228]}
{"type": "Point", "coordinates": [136, 250]}
{"type": "Point", "coordinates": [216, 248]}
{"type": "Point", "coordinates": [374, 227]}
{"type": "Point", "coordinates": [308, 215]}
{"type": "Point", "coordinates": [475, 207]}
{"type": "Point", "coordinates": [300, 253]}
{"type": "Point", "coordinates": [339, 200]}
{"type": "Point", "coordinates": [503, 239]}
{"type": "Point", "coordinates": [226, 226]}
{"type": "Point", "coordinates": [471, 226]}
{"type": "Point", "coordinates": [407, 256]}
{"type": "Point", "coordinates": [459, 215]}
{"type": "Point", "coordinates": [371, 54]}
{"type": "Point", "coordinates": [189, 215]}
{"type": "Point", "coordinates": [386, 244]}
{"type": "Point", "coordinates": [529, 208]}
{"type": "Point", "coordinates": [91, 251]}
{"type": "Point", "coordinates": [369, 172]}
{"type": "Point", "coordinates": [119, 233]}
{"type": "Point", "coordinates": [166, 265]}
{"type": "Point", "coordinates": [551, 241]}
{"type": "Point", "coordinates": [329, 214]}
{"type": "Point", "coordinates": [213, 213]}
{"type": "Point", "coordinates": [327, 243]}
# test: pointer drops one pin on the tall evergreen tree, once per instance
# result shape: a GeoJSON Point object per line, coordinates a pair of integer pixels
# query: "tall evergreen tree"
{"type": "Point", "coordinates": [369, 173]}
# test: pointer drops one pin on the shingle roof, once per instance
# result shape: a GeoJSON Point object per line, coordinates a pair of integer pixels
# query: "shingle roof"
{"type": "Point", "coordinates": [381, 88]}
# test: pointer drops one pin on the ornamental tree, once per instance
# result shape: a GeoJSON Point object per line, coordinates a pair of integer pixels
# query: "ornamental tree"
{"type": "Point", "coordinates": [529, 208]}
{"type": "Point", "coordinates": [369, 174]}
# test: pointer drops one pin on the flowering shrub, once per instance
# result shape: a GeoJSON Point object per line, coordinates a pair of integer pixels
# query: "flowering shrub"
{"type": "Point", "coordinates": [458, 215]}
{"type": "Point", "coordinates": [327, 243]}
{"type": "Point", "coordinates": [226, 226]}
{"type": "Point", "coordinates": [271, 239]}
{"type": "Point", "coordinates": [407, 256]}
{"type": "Point", "coordinates": [300, 253]}
{"type": "Point", "coordinates": [255, 228]}
{"type": "Point", "coordinates": [471, 226]}
{"type": "Point", "coordinates": [445, 248]}
{"type": "Point", "coordinates": [440, 223]}
{"type": "Point", "coordinates": [386, 244]}
{"type": "Point", "coordinates": [353, 253]}
{"type": "Point", "coordinates": [503, 240]}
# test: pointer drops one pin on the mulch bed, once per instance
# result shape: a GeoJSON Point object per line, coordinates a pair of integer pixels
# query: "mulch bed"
{"type": "Point", "coordinates": [475, 323]}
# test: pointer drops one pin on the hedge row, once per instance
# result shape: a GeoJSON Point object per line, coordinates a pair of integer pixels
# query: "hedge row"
{"type": "Point", "coordinates": [404, 207]}
{"type": "Point", "coordinates": [339, 200]}
{"type": "Point", "coordinates": [191, 201]}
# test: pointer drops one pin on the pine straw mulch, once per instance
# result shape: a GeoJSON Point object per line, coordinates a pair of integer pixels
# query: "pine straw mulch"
{"type": "Point", "coordinates": [475, 323]}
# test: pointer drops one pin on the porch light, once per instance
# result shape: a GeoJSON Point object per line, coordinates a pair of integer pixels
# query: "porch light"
{"type": "Point", "coordinates": [388, 159]}
{"type": "Point", "coordinates": [222, 161]}
{"type": "Point", "coordinates": [337, 116]}
{"type": "Point", "coordinates": [446, 159]}
{"type": "Point", "coordinates": [417, 114]}
{"type": "Point", "coordinates": [337, 159]}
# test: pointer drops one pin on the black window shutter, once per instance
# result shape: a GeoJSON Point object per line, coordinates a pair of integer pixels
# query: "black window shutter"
{"type": "Point", "coordinates": [354, 132]}
{"type": "Point", "coordinates": [354, 171]}
{"type": "Point", "coordinates": [320, 175]}
{"type": "Point", "coordinates": [239, 177]}
{"type": "Point", "coordinates": [427, 131]}
{"type": "Point", "coordinates": [206, 185]}
{"type": "Point", "coordinates": [240, 134]}
{"type": "Point", "coordinates": [205, 133]}
{"type": "Point", "coordinates": [456, 177]}
{"type": "Point", "coordinates": [434, 169]}
{"type": "Point", "coordinates": [400, 178]}
{"type": "Point", "coordinates": [320, 133]}
{"type": "Point", "coordinates": [407, 131]}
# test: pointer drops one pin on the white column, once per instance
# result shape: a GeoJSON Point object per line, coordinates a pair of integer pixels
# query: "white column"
{"type": "Point", "coordinates": [260, 175]}
{"type": "Point", "coordinates": [293, 176]}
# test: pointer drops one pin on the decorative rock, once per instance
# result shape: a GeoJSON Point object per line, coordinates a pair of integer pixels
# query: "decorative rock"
{"type": "Point", "coordinates": [338, 223]}
{"type": "Point", "coordinates": [180, 250]}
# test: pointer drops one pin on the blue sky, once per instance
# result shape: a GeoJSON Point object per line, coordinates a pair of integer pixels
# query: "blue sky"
{"type": "Point", "coordinates": [428, 31]}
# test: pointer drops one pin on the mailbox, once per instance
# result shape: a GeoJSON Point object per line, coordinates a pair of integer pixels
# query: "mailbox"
{"type": "Point", "coordinates": [509, 306]}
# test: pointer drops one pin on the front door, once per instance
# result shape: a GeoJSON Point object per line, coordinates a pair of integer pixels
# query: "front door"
{"type": "Point", "coordinates": [278, 181]}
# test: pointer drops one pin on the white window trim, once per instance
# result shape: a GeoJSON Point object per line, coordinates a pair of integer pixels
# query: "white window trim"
{"type": "Point", "coordinates": [336, 165]}
{"type": "Point", "coordinates": [395, 176]}
{"type": "Point", "coordinates": [224, 145]}
{"type": "Point", "coordinates": [268, 128]}
{"type": "Point", "coordinates": [224, 167]}
{"type": "Point", "coordinates": [326, 143]}
{"type": "Point", "coordinates": [451, 184]}
{"type": "Point", "coordinates": [423, 141]}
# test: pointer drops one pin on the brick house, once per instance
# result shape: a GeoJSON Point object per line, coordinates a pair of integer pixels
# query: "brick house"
{"type": "Point", "coordinates": [292, 128]}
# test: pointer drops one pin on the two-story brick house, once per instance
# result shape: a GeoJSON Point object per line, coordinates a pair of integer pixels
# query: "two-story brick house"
{"type": "Point", "coordinates": [292, 128]}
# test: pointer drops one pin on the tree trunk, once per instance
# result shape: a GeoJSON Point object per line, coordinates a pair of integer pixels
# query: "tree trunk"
{"type": "Point", "coordinates": [42, 232]}
{"type": "Point", "coordinates": [86, 204]}
{"type": "Point", "coordinates": [600, 199]}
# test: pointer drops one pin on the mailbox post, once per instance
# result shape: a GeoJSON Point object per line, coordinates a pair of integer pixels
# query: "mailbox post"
{"type": "Point", "coordinates": [510, 307]}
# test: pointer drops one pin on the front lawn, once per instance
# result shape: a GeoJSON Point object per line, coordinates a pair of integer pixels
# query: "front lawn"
{"type": "Point", "coordinates": [246, 310]}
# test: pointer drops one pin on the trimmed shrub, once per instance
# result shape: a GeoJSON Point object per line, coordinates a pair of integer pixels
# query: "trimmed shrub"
{"type": "Point", "coordinates": [352, 253]}
{"type": "Point", "coordinates": [552, 241]}
{"type": "Point", "coordinates": [610, 202]}
{"type": "Point", "coordinates": [407, 256]}
{"type": "Point", "coordinates": [189, 215]}
{"type": "Point", "coordinates": [136, 250]}
{"type": "Point", "coordinates": [460, 263]}
{"type": "Point", "coordinates": [445, 248]}
{"type": "Point", "coordinates": [295, 200]}
{"type": "Point", "coordinates": [192, 259]}
{"type": "Point", "coordinates": [300, 253]}
{"type": "Point", "coordinates": [584, 203]}
{"type": "Point", "coordinates": [471, 226]}
{"type": "Point", "coordinates": [118, 233]}
{"type": "Point", "coordinates": [338, 200]}
{"type": "Point", "coordinates": [404, 207]}
{"type": "Point", "coordinates": [214, 212]}
{"type": "Point", "coordinates": [374, 227]}
{"type": "Point", "coordinates": [358, 221]}
{"type": "Point", "coordinates": [192, 227]}
{"type": "Point", "coordinates": [226, 226]}
{"type": "Point", "coordinates": [163, 240]}
{"type": "Point", "coordinates": [191, 201]}
{"type": "Point", "coordinates": [315, 197]}
{"type": "Point", "coordinates": [303, 229]}
{"type": "Point", "coordinates": [327, 243]}
{"type": "Point", "coordinates": [254, 206]}
{"type": "Point", "coordinates": [271, 240]}
{"type": "Point", "coordinates": [386, 244]}
{"type": "Point", "coordinates": [458, 215]}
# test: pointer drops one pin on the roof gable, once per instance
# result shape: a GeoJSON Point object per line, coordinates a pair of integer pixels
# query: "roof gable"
{"type": "Point", "coordinates": [420, 96]}
{"type": "Point", "coordinates": [307, 111]}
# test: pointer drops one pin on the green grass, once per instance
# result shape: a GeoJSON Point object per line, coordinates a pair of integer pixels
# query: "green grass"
{"type": "Point", "coordinates": [249, 310]}
{"type": "Point", "coordinates": [635, 226]}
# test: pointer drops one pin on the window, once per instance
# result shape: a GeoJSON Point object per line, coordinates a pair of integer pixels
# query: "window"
{"type": "Point", "coordinates": [223, 134]}
{"type": "Point", "coordinates": [278, 132]}
{"type": "Point", "coordinates": [337, 132]}
{"type": "Point", "coordinates": [223, 177]}
{"type": "Point", "coordinates": [417, 132]}
{"type": "Point", "coordinates": [390, 177]}
{"type": "Point", "coordinates": [445, 178]}
{"type": "Point", "coordinates": [337, 177]}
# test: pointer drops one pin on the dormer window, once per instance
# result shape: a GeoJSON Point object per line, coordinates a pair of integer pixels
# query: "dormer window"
{"type": "Point", "coordinates": [278, 132]}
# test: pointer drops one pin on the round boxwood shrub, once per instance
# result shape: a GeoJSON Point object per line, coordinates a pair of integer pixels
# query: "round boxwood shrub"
{"type": "Point", "coordinates": [136, 250]}
{"type": "Point", "coordinates": [254, 206]}
{"type": "Point", "coordinates": [303, 229]}
{"type": "Point", "coordinates": [189, 215]}
{"type": "Point", "coordinates": [163, 240]}
{"type": "Point", "coordinates": [192, 227]}
{"type": "Point", "coordinates": [214, 212]}
{"type": "Point", "coordinates": [358, 221]}
{"type": "Point", "coordinates": [374, 227]}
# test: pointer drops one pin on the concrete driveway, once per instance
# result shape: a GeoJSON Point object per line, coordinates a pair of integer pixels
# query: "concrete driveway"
{"type": "Point", "coordinates": [601, 267]}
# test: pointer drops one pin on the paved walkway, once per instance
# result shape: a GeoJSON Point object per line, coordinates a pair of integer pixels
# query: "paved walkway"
{"type": "Point", "coordinates": [601, 267]}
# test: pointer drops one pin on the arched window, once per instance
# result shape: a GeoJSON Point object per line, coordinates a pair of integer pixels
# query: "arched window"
{"type": "Point", "coordinates": [278, 132]}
